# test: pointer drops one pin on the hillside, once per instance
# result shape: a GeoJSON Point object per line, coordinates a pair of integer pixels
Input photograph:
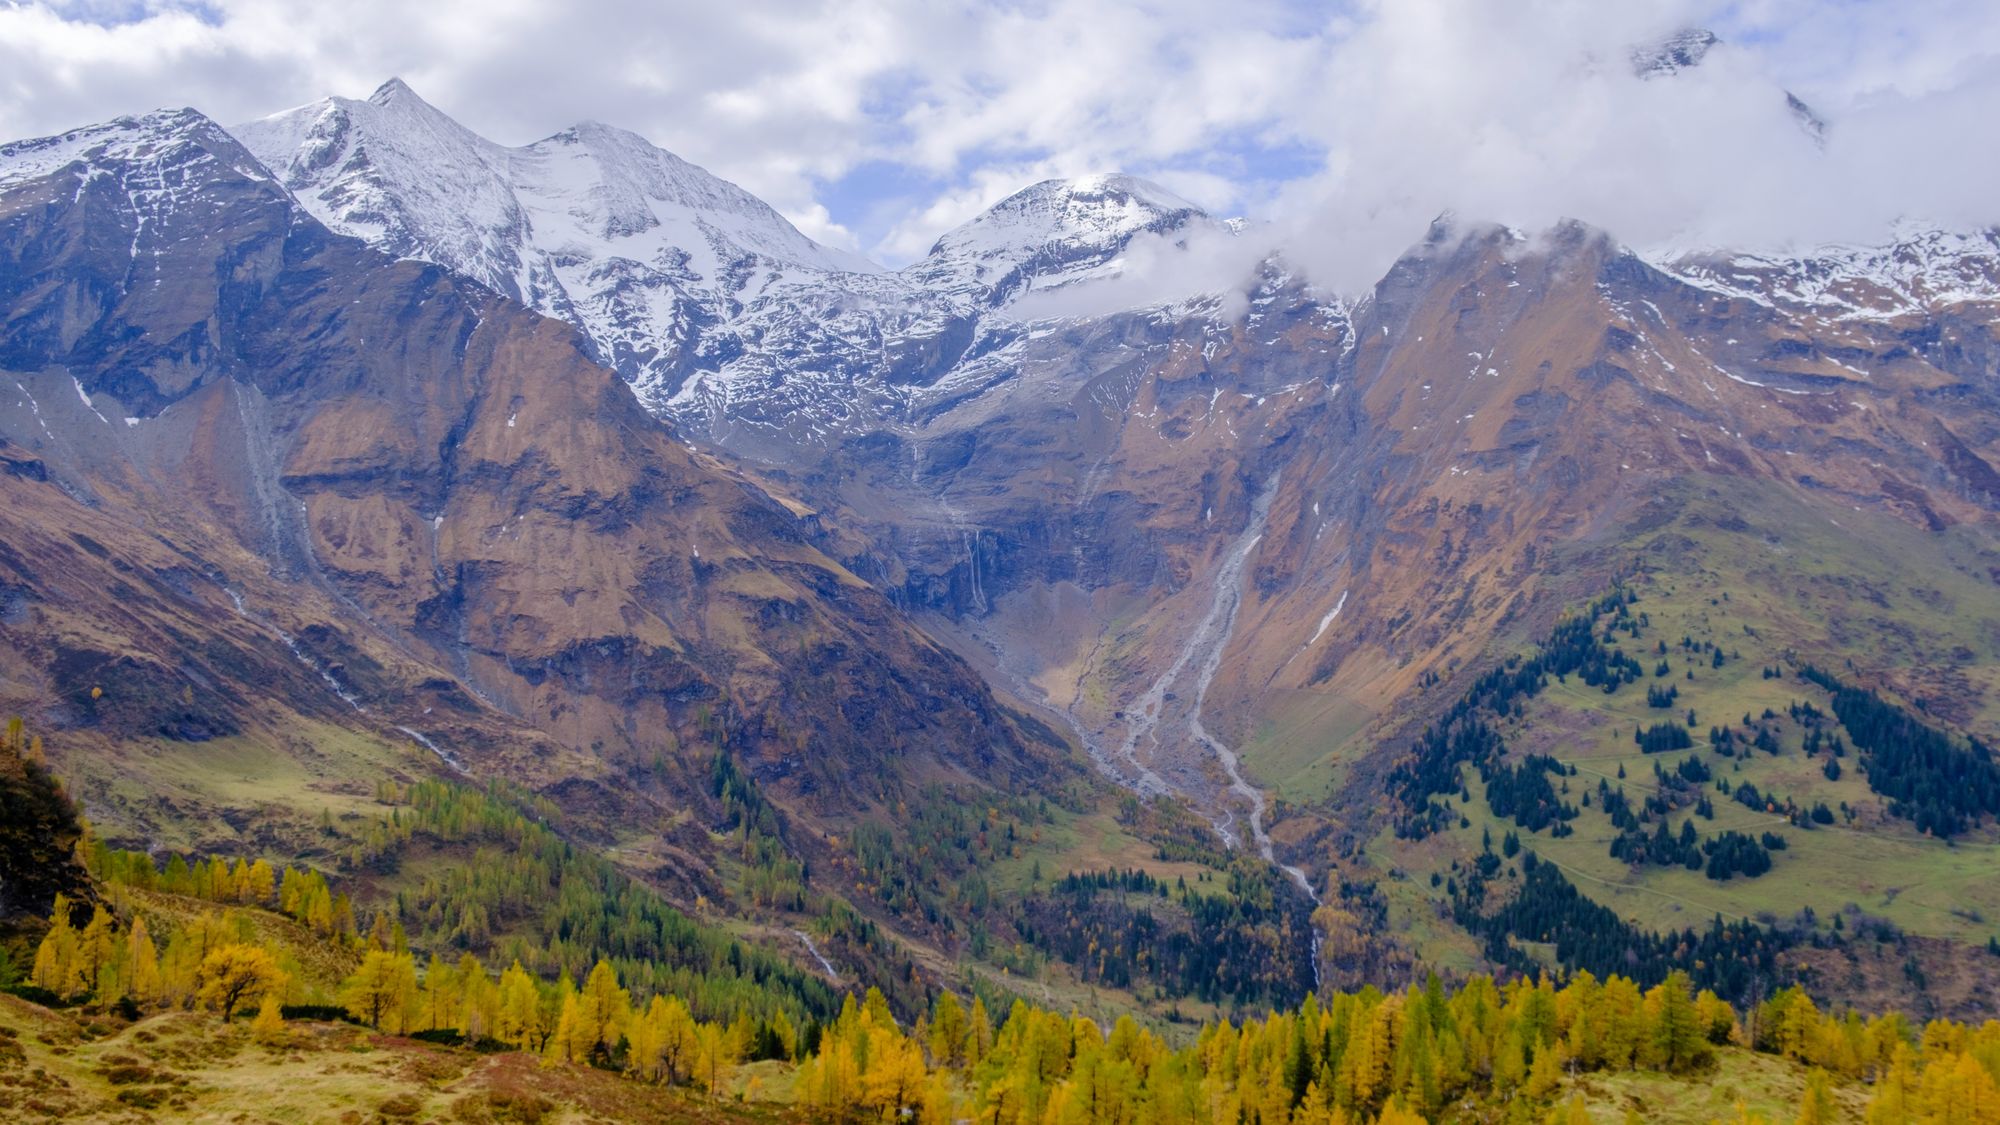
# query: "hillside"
{"type": "Point", "coordinates": [187, 1065]}
{"type": "Point", "coordinates": [115, 1023]}
{"type": "Point", "coordinates": [289, 520]}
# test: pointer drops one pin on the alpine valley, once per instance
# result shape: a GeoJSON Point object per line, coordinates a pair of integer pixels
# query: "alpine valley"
{"type": "Point", "coordinates": [567, 561]}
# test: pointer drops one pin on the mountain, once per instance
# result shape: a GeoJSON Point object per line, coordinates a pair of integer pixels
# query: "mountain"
{"type": "Point", "coordinates": [1682, 50]}
{"type": "Point", "coordinates": [281, 506]}
{"type": "Point", "coordinates": [1278, 521]}
{"type": "Point", "coordinates": [724, 317]}
{"type": "Point", "coordinates": [1922, 272]}
{"type": "Point", "coordinates": [1361, 586]}
{"type": "Point", "coordinates": [1685, 50]}
{"type": "Point", "coordinates": [1055, 233]}
{"type": "Point", "coordinates": [645, 252]}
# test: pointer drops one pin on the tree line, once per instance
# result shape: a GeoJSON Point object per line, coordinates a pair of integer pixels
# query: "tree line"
{"type": "Point", "coordinates": [1365, 1056]}
{"type": "Point", "coordinates": [1944, 788]}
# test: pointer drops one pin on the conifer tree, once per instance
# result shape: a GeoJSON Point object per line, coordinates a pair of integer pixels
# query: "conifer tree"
{"type": "Point", "coordinates": [58, 966]}
{"type": "Point", "coordinates": [380, 989]}
{"type": "Point", "coordinates": [1679, 1040]}
{"type": "Point", "coordinates": [478, 1000]}
{"type": "Point", "coordinates": [948, 1029]}
{"type": "Point", "coordinates": [97, 949]}
{"type": "Point", "coordinates": [571, 1041]}
{"type": "Point", "coordinates": [602, 1010]}
{"type": "Point", "coordinates": [269, 1026]}
{"type": "Point", "coordinates": [520, 1010]}
{"type": "Point", "coordinates": [259, 883]}
{"type": "Point", "coordinates": [142, 961]}
{"type": "Point", "coordinates": [715, 1058]}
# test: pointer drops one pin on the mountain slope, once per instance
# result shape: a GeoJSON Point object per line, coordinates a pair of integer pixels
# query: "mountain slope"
{"type": "Point", "coordinates": [1245, 545]}
{"type": "Point", "coordinates": [1512, 401]}
{"type": "Point", "coordinates": [260, 474]}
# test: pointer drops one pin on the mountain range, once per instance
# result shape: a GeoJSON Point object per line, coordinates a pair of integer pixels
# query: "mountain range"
{"type": "Point", "coordinates": [346, 444]}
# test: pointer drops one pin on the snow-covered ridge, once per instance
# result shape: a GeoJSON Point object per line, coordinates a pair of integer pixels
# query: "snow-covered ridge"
{"type": "Point", "coordinates": [647, 254]}
{"type": "Point", "coordinates": [400, 175]}
{"type": "Point", "coordinates": [737, 326]}
{"type": "Point", "coordinates": [718, 311]}
{"type": "Point", "coordinates": [1054, 233]}
{"type": "Point", "coordinates": [1922, 270]}
{"type": "Point", "coordinates": [694, 289]}
{"type": "Point", "coordinates": [163, 136]}
{"type": "Point", "coordinates": [563, 224]}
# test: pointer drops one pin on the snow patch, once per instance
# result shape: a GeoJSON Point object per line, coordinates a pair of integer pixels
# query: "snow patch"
{"type": "Point", "coordinates": [1328, 619]}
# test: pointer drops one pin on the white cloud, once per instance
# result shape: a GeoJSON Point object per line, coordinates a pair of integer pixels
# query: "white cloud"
{"type": "Point", "coordinates": [1520, 113]}
{"type": "Point", "coordinates": [1160, 270]}
{"type": "Point", "coordinates": [1527, 114]}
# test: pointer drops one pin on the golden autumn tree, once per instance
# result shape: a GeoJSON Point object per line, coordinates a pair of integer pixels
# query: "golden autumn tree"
{"type": "Point", "coordinates": [269, 1026]}
{"type": "Point", "coordinates": [97, 951]}
{"type": "Point", "coordinates": [58, 966]}
{"type": "Point", "coordinates": [234, 975]}
{"type": "Point", "coordinates": [142, 963]}
{"type": "Point", "coordinates": [520, 1018]}
{"type": "Point", "coordinates": [893, 1083]}
{"type": "Point", "coordinates": [603, 1009]}
{"type": "Point", "coordinates": [379, 989]}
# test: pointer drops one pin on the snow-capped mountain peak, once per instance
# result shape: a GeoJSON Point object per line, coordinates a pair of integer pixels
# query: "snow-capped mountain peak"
{"type": "Point", "coordinates": [1923, 270]}
{"type": "Point", "coordinates": [644, 252]}
{"type": "Point", "coordinates": [1052, 233]}
{"type": "Point", "coordinates": [164, 136]}
{"type": "Point", "coordinates": [677, 277]}
{"type": "Point", "coordinates": [397, 173]}
{"type": "Point", "coordinates": [1683, 50]}
{"type": "Point", "coordinates": [1106, 207]}
{"type": "Point", "coordinates": [616, 184]}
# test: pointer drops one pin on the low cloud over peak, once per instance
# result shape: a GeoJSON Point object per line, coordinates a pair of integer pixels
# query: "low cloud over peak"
{"type": "Point", "coordinates": [876, 128]}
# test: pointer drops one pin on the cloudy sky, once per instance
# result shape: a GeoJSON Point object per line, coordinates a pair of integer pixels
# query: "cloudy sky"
{"type": "Point", "coordinates": [1343, 127]}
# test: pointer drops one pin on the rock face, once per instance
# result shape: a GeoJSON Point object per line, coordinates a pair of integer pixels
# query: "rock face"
{"type": "Point", "coordinates": [258, 470]}
{"type": "Point", "coordinates": [1424, 478]}
{"type": "Point", "coordinates": [1516, 416]}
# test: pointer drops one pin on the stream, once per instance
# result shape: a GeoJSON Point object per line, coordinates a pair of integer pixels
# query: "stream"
{"type": "Point", "coordinates": [817, 955]}
{"type": "Point", "coordinates": [1161, 710]}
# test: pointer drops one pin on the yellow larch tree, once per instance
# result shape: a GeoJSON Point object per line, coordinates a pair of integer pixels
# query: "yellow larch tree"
{"type": "Point", "coordinates": [235, 975]}
{"type": "Point", "coordinates": [380, 989]}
